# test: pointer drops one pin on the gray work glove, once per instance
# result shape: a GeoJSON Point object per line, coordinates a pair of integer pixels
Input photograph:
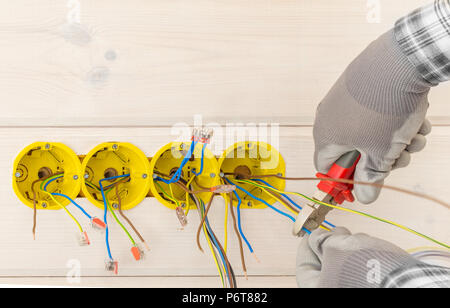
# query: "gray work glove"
{"type": "Point", "coordinates": [339, 259]}
{"type": "Point", "coordinates": [377, 107]}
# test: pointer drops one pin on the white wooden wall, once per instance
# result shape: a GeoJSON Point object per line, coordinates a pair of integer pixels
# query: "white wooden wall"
{"type": "Point", "coordinates": [132, 69]}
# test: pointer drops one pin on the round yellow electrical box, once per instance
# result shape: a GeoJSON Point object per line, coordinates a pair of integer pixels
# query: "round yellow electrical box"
{"type": "Point", "coordinates": [112, 159]}
{"type": "Point", "coordinates": [166, 162]}
{"type": "Point", "coordinates": [41, 160]}
{"type": "Point", "coordinates": [252, 158]}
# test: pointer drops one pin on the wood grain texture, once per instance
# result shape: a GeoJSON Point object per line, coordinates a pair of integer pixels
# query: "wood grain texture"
{"type": "Point", "coordinates": [158, 62]}
{"type": "Point", "coordinates": [149, 282]}
{"type": "Point", "coordinates": [173, 251]}
{"type": "Point", "coordinates": [130, 70]}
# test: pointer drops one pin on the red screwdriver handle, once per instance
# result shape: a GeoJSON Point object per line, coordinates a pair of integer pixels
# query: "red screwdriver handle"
{"type": "Point", "coordinates": [343, 168]}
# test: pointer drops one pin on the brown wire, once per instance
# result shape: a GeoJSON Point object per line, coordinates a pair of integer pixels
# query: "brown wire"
{"type": "Point", "coordinates": [346, 181]}
{"type": "Point", "coordinates": [228, 264]}
{"type": "Point", "coordinates": [35, 200]}
{"type": "Point", "coordinates": [280, 197]}
{"type": "Point", "coordinates": [241, 249]}
{"type": "Point", "coordinates": [203, 221]}
{"type": "Point", "coordinates": [119, 201]}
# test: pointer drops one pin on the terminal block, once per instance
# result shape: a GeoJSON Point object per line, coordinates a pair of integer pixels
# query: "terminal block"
{"type": "Point", "coordinates": [83, 239]}
{"type": "Point", "coordinates": [112, 266]}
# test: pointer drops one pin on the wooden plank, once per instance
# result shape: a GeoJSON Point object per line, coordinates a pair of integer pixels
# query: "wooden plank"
{"type": "Point", "coordinates": [150, 282]}
{"type": "Point", "coordinates": [173, 251]}
{"type": "Point", "coordinates": [158, 62]}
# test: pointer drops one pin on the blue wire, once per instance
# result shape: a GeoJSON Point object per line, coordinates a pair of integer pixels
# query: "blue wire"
{"type": "Point", "coordinates": [284, 195]}
{"type": "Point", "coordinates": [238, 210]}
{"type": "Point", "coordinates": [108, 248]}
{"type": "Point", "coordinates": [263, 201]}
{"type": "Point", "coordinates": [74, 203]}
{"type": "Point", "coordinates": [176, 176]}
{"type": "Point", "coordinates": [202, 159]}
{"type": "Point", "coordinates": [292, 201]}
{"type": "Point", "coordinates": [46, 184]}
{"type": "Point", "coordinates": [67, 197]}
{"type": "Point", "coordinates": [214, 239]}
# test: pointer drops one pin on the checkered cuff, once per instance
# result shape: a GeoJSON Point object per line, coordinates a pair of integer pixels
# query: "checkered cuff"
{"type": "Point", "coordinates": [424, 37]}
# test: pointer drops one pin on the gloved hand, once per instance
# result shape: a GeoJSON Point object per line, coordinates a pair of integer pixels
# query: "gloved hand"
{"type": "Point", "coordinates": [339, 259]}
{"type": "Point", "coordinates": [377, 107]}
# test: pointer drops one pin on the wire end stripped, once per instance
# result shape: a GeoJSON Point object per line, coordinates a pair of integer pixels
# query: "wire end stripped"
{"type": "Point", "coordinates": [98, 224]}
{"type": "Point", "coordinates": [256, 258]}
{"type": "Point", "coordinates": [83, 239]}
{"type": "Point", "coordinates": [137, 252]}
{"type": "Point", "coordinates": [112, 266]}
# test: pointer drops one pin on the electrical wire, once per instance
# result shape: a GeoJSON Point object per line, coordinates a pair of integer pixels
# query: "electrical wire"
{"type": "Point", "coordinates": [105, 218]}
{"type": "Point", "coordinates": [261, 200]}
{"type": "Point", "coordinates": [188, 184]}
{"type": "Point", "coordinates": [354, 212]}
{"type": "Point", "coordinates": [177, 175]}
{"type": "Point", "coordinates": [202, 159]}
{"type": "Point", "coordinates": [225, 261]}
{"type": "Point", "coordinates": [241, 249]}
{"type": "Point", "coordinates": [74, 203]}
{"type": "Point", "coordinates": [238, 211]}
{"type": "Point", "coordinates": [164, 193]}
{"type": "Point", "coordinates": [120, 223]}
{"type": "Point", "coordinates": [35, 201]}
{"type": "Point", "coordinates": [119, 201]}
{"type": "Point", "coordinates": [280, 201]}
{"type": "Point", "coordinates": [290, 200]}
{"type": "Point", "coordinates": [205, 232]}
{"type": "Point", "coordinates": [203, 221]}
{"type": "Point", "coordinates": [173, 197]}
{"type": "Point", "coordinates": [43, 187]}
{"type": "Point", "coordinates": [51, 179]}
{"type": "Point", "coordinates": [346, 181]}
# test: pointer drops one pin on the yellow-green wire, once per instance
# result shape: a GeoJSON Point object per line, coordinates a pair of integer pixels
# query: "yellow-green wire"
{"type": "Point", "coordinates": [205, 232]}
{"type": "Point", "coordinates": [118, 221]}
{"type": "Point", "coordinates": [59, 204]}
{"type": "Point", "coordinates": [187, 195]}
{"type": "Point", "coordinates": [173, 197]}
{"type": "Point", "coordinates": [112, 212]}
{"type": "Point", "coordinates": [283, 203]}
{"type": "Point", "coordinates": [166, 194]}
{"type": "Point", "coordinates": [204, 229]}
{"type": "Point", "coordinates": [350, 211]}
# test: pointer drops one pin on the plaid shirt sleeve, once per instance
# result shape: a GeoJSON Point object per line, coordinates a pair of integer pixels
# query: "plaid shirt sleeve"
{"type": "Point", "coordinates": [418, 276]}
{"type": "Point", "coordinates": [424, 36]}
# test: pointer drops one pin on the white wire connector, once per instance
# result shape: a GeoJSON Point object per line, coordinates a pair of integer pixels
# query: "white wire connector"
{"type": "Point", "coordinates": [181, 216]}
{"type": "Point", "coordinates": [137, 252]}
{"type": "Point", "coordinates": [223, 189]}
{"type": "Point", "coordinates": [112, 266]}
{"type": "Point", "coordinates": [83, 239]}
{"type": "Point", "coordinates": [202, 135]}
